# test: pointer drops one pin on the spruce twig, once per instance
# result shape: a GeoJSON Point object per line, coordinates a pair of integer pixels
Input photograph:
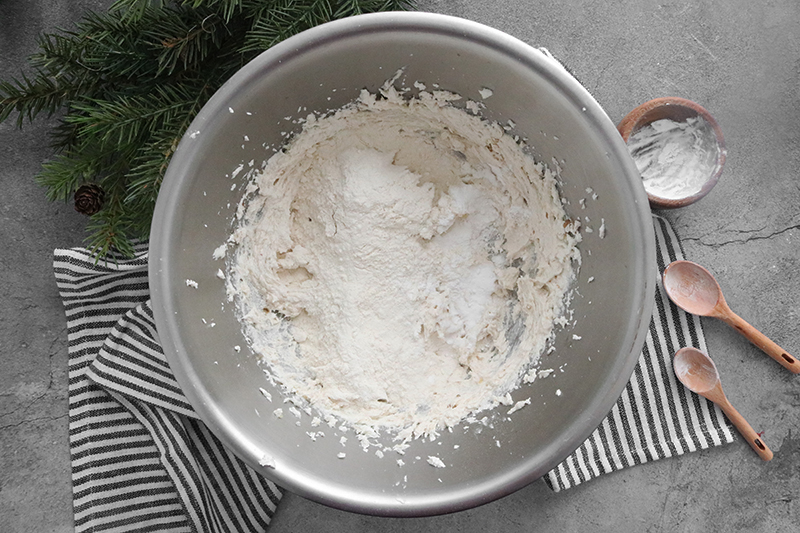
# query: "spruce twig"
{"type": "Point", "coordinates": [128, 82]}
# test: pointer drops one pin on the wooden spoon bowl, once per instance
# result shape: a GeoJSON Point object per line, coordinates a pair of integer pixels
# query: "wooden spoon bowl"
{"type": "Point", "coordinates": [694, 289]}
{"type": "Point", "coordinates": [697, 371]}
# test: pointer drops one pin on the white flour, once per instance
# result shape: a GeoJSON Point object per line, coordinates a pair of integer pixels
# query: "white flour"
{"type": "Point", "coordinates": [402, 264]}
{"type": "Point", "coordinates": [674, 158]}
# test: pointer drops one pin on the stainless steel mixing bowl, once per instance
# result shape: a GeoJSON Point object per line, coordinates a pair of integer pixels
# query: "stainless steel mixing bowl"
{"type": "Point", "coordinates": [325, 68]}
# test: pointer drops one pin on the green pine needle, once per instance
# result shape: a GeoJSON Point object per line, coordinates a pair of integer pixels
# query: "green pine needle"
{"type": "Point", "coordinates": [127, 83]}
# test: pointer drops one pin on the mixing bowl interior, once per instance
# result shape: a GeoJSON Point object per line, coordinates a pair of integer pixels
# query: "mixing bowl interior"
{"type": "Point", "coordinates": [321, 70]}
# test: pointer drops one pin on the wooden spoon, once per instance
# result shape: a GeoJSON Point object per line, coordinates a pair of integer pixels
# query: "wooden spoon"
{"type": "Point", "coordinates": [697, 371]}
{"type": "Point", "coordinates": [695, 290]}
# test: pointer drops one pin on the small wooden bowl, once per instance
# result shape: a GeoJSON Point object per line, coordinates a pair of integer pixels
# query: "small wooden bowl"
{"type": "Point", "coordinates": [677, 109]}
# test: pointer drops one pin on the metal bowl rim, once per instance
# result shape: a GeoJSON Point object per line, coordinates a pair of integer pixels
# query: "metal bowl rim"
{"type": "Point", "coordinates": [162, 241]}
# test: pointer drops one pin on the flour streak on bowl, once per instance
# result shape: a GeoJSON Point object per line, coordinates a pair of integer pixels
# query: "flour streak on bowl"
{"type": "Point", "coordinates": [323, 69]}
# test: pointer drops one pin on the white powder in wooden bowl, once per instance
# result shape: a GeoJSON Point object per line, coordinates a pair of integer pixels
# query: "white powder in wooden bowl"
{"type": "Point", "coordinates": [675, 158]}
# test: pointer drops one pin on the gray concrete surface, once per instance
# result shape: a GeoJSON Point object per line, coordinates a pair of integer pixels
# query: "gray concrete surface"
{"type": "Point", "coordinates": [739, 59]}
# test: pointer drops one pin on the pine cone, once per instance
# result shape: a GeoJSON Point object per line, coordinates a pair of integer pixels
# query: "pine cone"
{"type": "Point", "coordinates": [89, 199]}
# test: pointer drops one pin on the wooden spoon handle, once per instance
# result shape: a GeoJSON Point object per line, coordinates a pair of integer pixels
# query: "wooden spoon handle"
{"type": "Point", "coordinates": [749, 434]}
{"type": "Point", "coordinates": [762, 341]}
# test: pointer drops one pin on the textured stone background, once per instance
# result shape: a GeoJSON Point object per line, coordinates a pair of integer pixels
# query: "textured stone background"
{"type": "Point", "coordinates": [739, 59]}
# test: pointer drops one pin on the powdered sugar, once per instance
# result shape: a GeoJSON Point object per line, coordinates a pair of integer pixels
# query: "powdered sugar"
{"type": "Point", "coordinates": [392, 271]}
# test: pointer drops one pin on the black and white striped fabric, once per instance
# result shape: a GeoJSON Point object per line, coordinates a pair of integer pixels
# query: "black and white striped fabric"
{"type": "Point", "coordinates": [141, 459]}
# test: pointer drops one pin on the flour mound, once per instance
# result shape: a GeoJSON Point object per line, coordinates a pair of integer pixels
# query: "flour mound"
{"type": "Point", "coordinates": [401, 264]}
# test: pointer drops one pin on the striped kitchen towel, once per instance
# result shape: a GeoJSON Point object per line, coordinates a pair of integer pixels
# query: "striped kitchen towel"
{"type": "Point", "coordinates": [141, 459]}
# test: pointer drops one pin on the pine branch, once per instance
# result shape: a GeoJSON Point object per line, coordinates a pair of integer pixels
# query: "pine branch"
{"type": "Point", "coordinates": [358, 7]}
{"type": "Point", "coordinates": [127, 119]}
{"type": "Point", "coordinates": [285, 18]}
{"type": "Point", "coordinates": [226, 8]}
{"type": "Point", "coordinates": [150, 163]}
{"type": "Point", "coordinates": [29, 97]}
{"type": "Point", "coordinates": [109, 232]}
{"type": "Point", "coordinates": [104, 48]}
{"type": "Point", "coordinates": [280, 19]}
{"type": "Point", "coordinates": [188, 43]}
{"type": "Point", "coordinates": [67, 171]}
{"type": "Point", "coordinates": [85, 163]}
{"type": "Point", "coordinates": [127, 84]}
{"type": "Point", "coordinates": [135, 9]}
